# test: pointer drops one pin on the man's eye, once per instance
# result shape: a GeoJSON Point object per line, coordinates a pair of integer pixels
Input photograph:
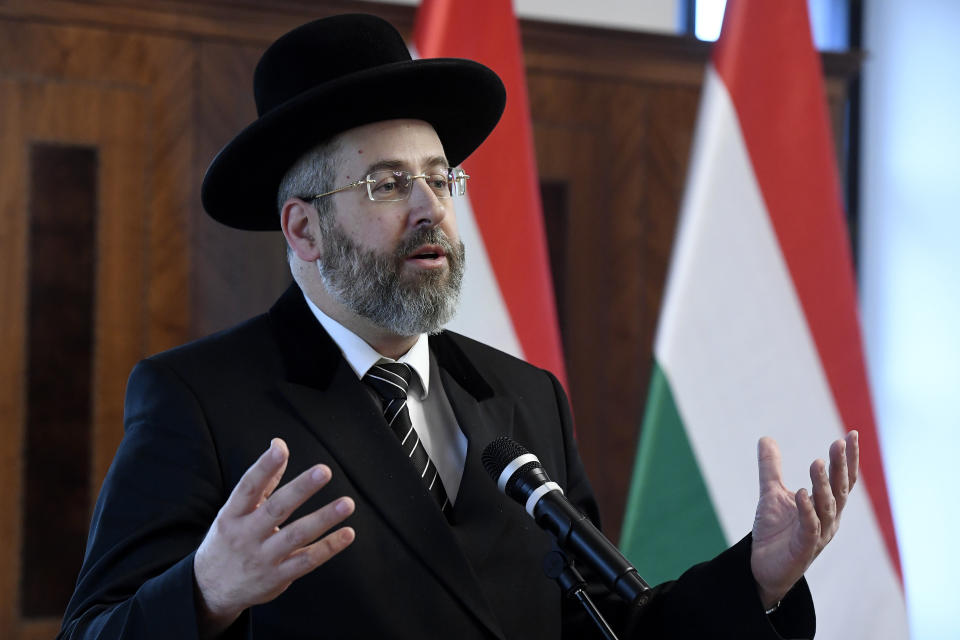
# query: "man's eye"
{"type": "Point", "coordinates": [438, 182]}
{"type": "Point", "coordinates": [386, 186]}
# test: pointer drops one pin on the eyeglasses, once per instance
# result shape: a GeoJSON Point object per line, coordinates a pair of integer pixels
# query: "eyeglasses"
{"type": "Point", "coordinates": [395, 186]}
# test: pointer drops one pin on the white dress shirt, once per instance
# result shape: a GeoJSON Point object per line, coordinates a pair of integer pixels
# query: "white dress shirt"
{"type": "Point", "coordinates": [430, 410]}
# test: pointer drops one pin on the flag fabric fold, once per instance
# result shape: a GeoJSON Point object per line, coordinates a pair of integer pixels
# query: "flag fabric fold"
{"type": "Point", "coordinates": [759, 332]}
{"type": "Point", "coordinates": [507, 298]}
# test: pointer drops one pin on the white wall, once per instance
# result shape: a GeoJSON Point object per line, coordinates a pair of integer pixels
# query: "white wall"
{"type": "Point", "coordinates": [910, 287]}
{"type": "Point", "coordinates": [641, 15]}
{"type": "Point", "coordinates": [829, 17]}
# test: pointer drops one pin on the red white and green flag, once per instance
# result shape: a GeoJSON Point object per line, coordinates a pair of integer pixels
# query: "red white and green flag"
{"type": "Point", "coordinates": [759, 332]}
{"type": "Point", "coordinates": [507, 298]}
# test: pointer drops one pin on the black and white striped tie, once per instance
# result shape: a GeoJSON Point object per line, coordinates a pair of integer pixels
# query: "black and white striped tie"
{"type": "Point", "coordinates": [391, 380]}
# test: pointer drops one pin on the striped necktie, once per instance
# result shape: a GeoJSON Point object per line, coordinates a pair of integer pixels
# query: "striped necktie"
{"type": "Point", "coordinates": [391, 380]}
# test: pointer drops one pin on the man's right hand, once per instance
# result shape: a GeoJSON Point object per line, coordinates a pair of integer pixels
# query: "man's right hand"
{"type": "Point", "coordinates": [246, 558]}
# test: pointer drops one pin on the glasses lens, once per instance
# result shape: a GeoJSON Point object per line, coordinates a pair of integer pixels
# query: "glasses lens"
{"type": "Point", "coordinates": [438, 184]}
{"type": "Point", "coordinates": [388, 186]}
{"type": "Point", "coordinates": [457, 182]}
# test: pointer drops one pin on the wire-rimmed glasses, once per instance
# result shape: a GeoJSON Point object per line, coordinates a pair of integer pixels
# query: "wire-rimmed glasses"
{"type": "Point", "coordinates": [393, 185]}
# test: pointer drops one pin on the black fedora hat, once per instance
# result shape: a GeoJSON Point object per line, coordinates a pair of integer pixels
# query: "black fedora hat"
{"type": "Point", "coordinates": [331, 75]}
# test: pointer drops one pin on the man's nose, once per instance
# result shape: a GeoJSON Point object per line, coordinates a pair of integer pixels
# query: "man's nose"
{"type": "Point", "coordinates": [426, 209]}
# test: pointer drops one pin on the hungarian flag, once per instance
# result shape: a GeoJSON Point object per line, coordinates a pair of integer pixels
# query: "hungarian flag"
{"type": "Point", "coordinates": [507, 299]}
{"type": "Point", "coordinates": [759, 332]}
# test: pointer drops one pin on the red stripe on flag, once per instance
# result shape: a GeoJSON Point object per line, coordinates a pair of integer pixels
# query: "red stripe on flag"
{"type": "Point", "coordinates": [504, 190]}
{"type": "Point", "coordinates": [766, 58]}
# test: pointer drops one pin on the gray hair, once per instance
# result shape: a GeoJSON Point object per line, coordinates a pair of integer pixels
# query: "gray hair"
{"type": "Point", "coordinates": [312, 173]}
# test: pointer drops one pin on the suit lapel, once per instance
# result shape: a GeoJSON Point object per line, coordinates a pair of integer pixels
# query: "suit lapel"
{"type": "Point", "coordinates": [478, 510]}
{"type": "Point", "coordinates": [333, 403]}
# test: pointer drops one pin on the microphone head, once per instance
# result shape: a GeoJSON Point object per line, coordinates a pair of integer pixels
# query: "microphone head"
{"type": "Point", "coordinates": [516, 471]}
{"type": "Point", "coordinates": [499, 453]}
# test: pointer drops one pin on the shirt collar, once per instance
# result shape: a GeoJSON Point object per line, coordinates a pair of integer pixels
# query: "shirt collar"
{"type": "Point", "coordinates": [361, 356]}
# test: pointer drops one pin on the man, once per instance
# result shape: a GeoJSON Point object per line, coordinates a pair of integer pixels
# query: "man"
{"type": "Point", "coordinates": [199, 533]}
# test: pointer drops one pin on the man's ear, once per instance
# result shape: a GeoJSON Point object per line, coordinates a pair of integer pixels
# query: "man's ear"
{"type": "Point", "coordinates": [301, 228]}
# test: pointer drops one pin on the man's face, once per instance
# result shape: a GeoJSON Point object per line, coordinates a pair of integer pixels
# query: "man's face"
{"type": "Point", "coordinates": [398, 264]}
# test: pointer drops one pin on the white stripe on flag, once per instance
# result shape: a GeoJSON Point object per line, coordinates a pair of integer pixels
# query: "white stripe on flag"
{"type": "Point", "coordinates": [483, 313]}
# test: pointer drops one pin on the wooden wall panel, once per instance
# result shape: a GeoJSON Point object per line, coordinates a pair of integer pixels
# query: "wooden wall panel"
{"type": "Point", "coordinates": [83, 86]}
{"type": "Point", "coordinates": [81, 114]}
{"type": "Point", "coordinates": [168, 69]}
{"type": "Point", "coordinates": [59, 337]}
{"type": "Point", "coordinates": [148, 167]}
{"type": "Point", "coordinates": [237, 274]}
{"type": "Point", "coordinates": [620, 148]}
{"type": "Point", "coordinates": [13, 249]}
{"type": "Point", "coordinates": [121, 285]}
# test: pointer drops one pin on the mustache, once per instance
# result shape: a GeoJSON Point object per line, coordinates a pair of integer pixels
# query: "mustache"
{"type": "Point", "coordinates": [422, 236]}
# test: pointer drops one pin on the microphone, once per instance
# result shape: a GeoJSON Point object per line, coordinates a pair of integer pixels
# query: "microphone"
{"type": "Point", "coordinates": [519, 474]}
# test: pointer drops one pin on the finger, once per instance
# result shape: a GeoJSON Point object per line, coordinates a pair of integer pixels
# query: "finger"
{"type": "Point", "coordinates": [808, 533]}
{"type": "Point", "coordinates": [823, 500]}
{"type": "Point", "coordinates": [291, 495]}
{"type": "Point", "coordinates": [305, 530]}
{"type": "Point", "coordinates": [275, 478]}
{"type": "Point", "coordinates": [839, 478]}
{"type": "Point", "coordinates": [853, 458]}
{"type": "Point", "coordinates": [258, 480]}
{"type": "Point", "coordinates": [768, 461]}
{"type": "Point", "coordinates": [306, 559]}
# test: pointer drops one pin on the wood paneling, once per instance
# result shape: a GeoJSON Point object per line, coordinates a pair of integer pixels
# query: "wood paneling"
{"type": "Point", "coordinates": [556, 211]}
{"type": "Point", "coordinates": [82, 86]}
{"type": "Point", "coordinates": [237, 274]}
{"type": "Point", "coordinates": [13, 287]}
{"type": "Point", "coordinates": [168, 72]}
{"type": "Point", "coordinates": [78, 114]}
{"type": "Point", "coordinates": [63, 205]}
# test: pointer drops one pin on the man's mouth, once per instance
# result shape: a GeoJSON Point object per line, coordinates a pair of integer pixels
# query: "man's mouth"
{"type": "Point", "coordinates": [428, 255]}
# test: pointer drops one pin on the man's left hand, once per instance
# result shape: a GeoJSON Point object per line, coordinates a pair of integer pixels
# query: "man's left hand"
{"type": "Point", "coordinates": [791, 529]}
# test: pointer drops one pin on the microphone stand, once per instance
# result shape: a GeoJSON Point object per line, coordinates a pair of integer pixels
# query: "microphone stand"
{"type": "Point", "coordinates": [558, 566]}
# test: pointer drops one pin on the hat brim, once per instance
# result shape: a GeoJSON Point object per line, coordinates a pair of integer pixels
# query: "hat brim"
{"type": "Point", "coordinates": [462, 99]}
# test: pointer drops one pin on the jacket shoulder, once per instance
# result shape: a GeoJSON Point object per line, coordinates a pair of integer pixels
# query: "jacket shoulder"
{"type": "Point", "coordinates": [488, 371]}
{"type": "Point", "coordinates": [491, 357]}
{"type": "Point", "coordinates": [250, 343]}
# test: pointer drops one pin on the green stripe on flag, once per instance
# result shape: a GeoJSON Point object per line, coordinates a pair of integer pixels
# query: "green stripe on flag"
{"type": "Point", "coordinates": [670, 522]}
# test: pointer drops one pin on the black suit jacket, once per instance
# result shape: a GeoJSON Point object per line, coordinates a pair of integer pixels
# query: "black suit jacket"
{"type": "Point", "coordinates": [197, 416]}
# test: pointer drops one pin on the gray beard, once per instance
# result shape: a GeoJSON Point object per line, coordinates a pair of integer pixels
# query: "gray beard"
{"type": "Point", "coordinates": [372, 285]}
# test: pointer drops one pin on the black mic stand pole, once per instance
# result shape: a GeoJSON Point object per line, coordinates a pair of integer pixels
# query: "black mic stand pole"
{"type": "Point", "coordinates": [557, 566]}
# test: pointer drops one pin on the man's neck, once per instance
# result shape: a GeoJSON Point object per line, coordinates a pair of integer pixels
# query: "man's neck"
{"type": "Point", "coordinates": [382, 341]}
